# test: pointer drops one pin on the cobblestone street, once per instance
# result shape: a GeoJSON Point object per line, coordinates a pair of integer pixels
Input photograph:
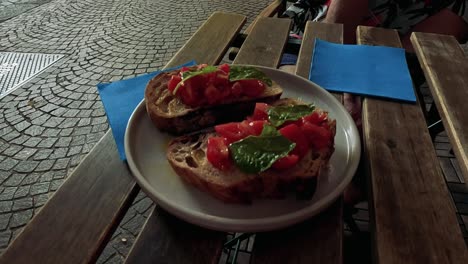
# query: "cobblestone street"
{"type": "Point", "coordinates": [49, 124]}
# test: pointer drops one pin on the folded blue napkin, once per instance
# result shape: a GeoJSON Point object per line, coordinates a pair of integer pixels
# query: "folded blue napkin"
{"type": "Point", "coordinates": [360, 69]}
{"type": "Point", "coordinates": [121, 98]}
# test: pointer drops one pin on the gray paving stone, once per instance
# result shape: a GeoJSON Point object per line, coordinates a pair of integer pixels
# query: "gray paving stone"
{"type": "Point", "coordinates": [34, 130]}
{"type": "Point", "coordinates": [4, 175]}
{"type": "Point", "coordinates": [21, 218]}
{"type": "Point", "coordinates": [5, 206]}
{"type": "Point", "coordinates": [31, 178]}
{"type": "Point", "coordinates": [51, 132]}
{"type": "Point", "coordinates": [32, 142]}
{"type": "Point", "coordinates": [5, 238]}
{"type": "Point", "coordinates": [22, 191]}
{"type": "Point", "coordinates": [23, 203]}
{"type": "Point", "coordinates": [61, 164]}
{"type": "Point", "coordinates": [4, 220]}
{"type": "Point", "coordinates": [8, 164]}
{"type": "Point", "coordinates": [42, 154]}
{"type": "Point", "coordinates": [8, 193]}
{"type": "Point", "coordinates": [55, 184]}
{"type": "Point", "coordinates": [63, 142]}
{"type": "Point", "coordinates": [47, 176]}
{"type": "Point", "coordinates": [25, 153]}
{"type": "Point", "coordinates": [14, 180]}
{"type": "Point", "coordinates": [69, 122]}
{"type": "Point", "coordinates": [26, 166]}
{"type": "Point", "coordinates": [45, 165]}
{"type": "Point", "coordinates": [20, 140]}
{"type": "Point", "coordinates": [12, 150]}
{"type": "Point", "coordinates": [40, 120]}
{"type": "Point", "coordinates": [66, 132]}
{"type": "Point", "coordinates": [40, 200]}
{"type": "Point", "coordinates": [9, 136]}
{"type": "Point", "coordinates": [59, 153]}
{"type": "Point", "coordinates": [53, 121]}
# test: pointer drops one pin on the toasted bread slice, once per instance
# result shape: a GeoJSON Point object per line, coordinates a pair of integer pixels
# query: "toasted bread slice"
{"type": "Point", "coordinates": [187, 156]}
{"type": "Point", "coordinates": [169, 114]}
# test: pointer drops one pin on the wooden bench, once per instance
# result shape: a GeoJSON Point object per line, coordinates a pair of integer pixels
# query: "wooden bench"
{"type": "Point", "coordinates": [275, 8]}
{"type": "Point", "coordinates": [412, 215]}
{"type": "Point", "coordinates": [445, 67]}
{"type": "Point", "coordinates": [413, 218]}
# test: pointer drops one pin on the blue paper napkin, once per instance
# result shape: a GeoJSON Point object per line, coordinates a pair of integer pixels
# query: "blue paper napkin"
{"type": "Point", "coordinates": [360, 69]}
{"type": "Point", "coordinates": [121, 98]}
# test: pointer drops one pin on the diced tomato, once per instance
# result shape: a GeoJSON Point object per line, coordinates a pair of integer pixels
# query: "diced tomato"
{"type": "Point", "coordinates": [212, 94]}
{"type": "Point", "coordinates": [224, 67]}
{"type": "Point", "coordinates": [260, 112]}
{"type": "Point", "coordinates": [252, 87]}
{"type": "Point", "coordinates": [217, 153]}
{"type": "Point", "coordinates": [230, 131]}
{"type": "Point", "coordinates": [286, 162]}
{"type": "Point", "coordinates": [184, 69]}
{"type": "Point", "coordinates": [192, 91]}
{"type": "Point", "coordinates": [318, 137]}
{"type": "Point", "coordinates": [236, 131]}
{"type": "Point", "coordinates": [171, 85]}
{"type": "Point", "coordinates": [315, 118]}
{"type": "Point", "coordinates": [294, 133]}
{"type": "Point", "coordinates": [236, 89]}
{"type": "Point", "coordinates": [252, 127]}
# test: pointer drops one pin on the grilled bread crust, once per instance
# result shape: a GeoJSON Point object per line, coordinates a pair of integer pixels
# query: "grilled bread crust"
{"type": "Point", "coordinates": [187, 156]}
{"type": "Point", "coordinates": [170, 114]}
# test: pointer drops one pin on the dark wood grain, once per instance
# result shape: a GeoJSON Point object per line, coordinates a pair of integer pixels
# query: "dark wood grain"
{"type": "Point", "coordinates": [212, 39]}
{"type": "Point", "coordinates": [75, 223]}
{"type": "Point", "coordinates": [325, 31]}
{"type": "Point", "coordinates": [413, 218]}
{"type": "Point", "coordinates": [320, 239]}
{"type": "Point", "coordinates": [265, 44]}
{"type": "Point", "coordinates": [167, 239]}
{"type": "Point", "coordinates": [446, 70]}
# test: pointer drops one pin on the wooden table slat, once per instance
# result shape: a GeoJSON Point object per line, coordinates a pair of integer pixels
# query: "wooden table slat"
{"type": "Point", "coordinates": [75, 223]}
{"type": "Point", "coordinates": [320, 239]}
{"type": "Point", "coordinates": [412, 215]}
{"type": "Point", "coordinates": [165, 239]}
{"type": "Point", "coordinates": [446, 70]}
{"type": "Point", "coordinates": [265, 44]}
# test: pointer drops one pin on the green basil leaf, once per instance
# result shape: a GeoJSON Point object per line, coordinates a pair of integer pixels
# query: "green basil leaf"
{"type": "Point", "coordinates": [279, 114]}
{"type": "Point", "coordinates": [189, 74]}
{"type": "Point", "coordinates": [255, 154]}
{"type": "Point", "coordinates": [237, 73]}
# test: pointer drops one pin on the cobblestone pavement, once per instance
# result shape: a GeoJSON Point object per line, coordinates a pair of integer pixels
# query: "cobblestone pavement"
{"type": "Point", "coordinates": [12, 8]}
{"type": "Point", "coordinates": [50, 123]}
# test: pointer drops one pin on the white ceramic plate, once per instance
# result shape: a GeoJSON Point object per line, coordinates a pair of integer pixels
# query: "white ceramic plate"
{"type": "Point", "coordinates": [145, 148]}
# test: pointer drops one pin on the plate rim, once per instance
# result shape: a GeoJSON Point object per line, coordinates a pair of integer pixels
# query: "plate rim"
{"type": "Point", "coordinates": [252, 224]}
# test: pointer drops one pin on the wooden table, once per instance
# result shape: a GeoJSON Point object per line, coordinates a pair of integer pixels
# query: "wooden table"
{"type": "Point", "coordinates": [413, 219]}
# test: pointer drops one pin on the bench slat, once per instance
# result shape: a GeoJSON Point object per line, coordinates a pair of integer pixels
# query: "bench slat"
{"type": "Point", "coordinates": [267, 49]}
{"type": "Point", "coordinates": [166, 239]}
{"type": "Point", "coordinates": [446, 70]}
{"type": "Point", "coordinates": [74, 225]}
{"type": "Point", "coordinates": [413, 218]}
{"type": "Point", "coordinates": [320, 239]}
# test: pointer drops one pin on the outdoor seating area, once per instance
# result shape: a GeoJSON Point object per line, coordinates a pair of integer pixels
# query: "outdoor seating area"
{"type": "Point", "coordinates": [413, 160]}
